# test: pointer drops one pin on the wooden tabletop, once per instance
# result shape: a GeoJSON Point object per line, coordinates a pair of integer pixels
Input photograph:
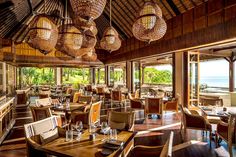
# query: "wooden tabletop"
{"type": "Point", "coordinates": [73, 106]}
{"type": "Point", "coordinates": [85, 148]}
{"type": "Point", "coordinates": [217, 111]}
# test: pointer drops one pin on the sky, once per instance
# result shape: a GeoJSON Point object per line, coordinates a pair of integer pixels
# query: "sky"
{"type": "Point", "coordinates": [214, 68]}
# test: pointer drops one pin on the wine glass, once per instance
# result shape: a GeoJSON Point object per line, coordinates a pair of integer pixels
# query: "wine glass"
{"type": "Point", "coordinates": [79, 128]}
{"type": "Point", "coordinates": [103, 128]}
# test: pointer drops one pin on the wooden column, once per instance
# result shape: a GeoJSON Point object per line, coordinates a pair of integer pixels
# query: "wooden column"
{"type": "Point", "coordinates": [231, 61]}
{"type": "Point", "coordinates": [4, 74]}
{"type": "Point", "coordinates": [58, 73]}
{"type": "Point", "coordinates": [142, 78]}
{"type": "Point", "coordinates": [129, 75]}
{"type": "Point", "coordinates": [93, 77]}
{"type": "Point", "coordinates": [173, 75]}
{"type": "Point", "coordinates": [20, 77]}
{"type": "Point", "coordinates": [107, 75]}
{"type": "Point", "coordinates": [98, 81]}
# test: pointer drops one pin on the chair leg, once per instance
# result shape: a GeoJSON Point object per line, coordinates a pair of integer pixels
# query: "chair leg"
{"type": "Point", "coordinates": [216, 140]}
{"type": "Point", "coordinates": [230, 148]}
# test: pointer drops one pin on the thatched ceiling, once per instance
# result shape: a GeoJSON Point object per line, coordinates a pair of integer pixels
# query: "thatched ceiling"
{"type": "Point", "coordinates": [16, 14]}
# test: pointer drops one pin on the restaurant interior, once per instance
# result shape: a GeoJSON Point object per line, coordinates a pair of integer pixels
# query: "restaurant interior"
{"type": "Point", "coordinates": [117, 78]}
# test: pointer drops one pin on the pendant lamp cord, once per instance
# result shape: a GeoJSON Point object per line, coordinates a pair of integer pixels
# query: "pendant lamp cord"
{"type": "Point", "coordinates": [110, 12]}
{"type": "Point", "coordinates": [66, 16]}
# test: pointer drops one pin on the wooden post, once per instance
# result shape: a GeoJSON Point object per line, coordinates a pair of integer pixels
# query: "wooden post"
{"type": "Point", "coordinates": [231, 61]}
{"type": "Point", "coordinates": [98, 81]}
{"type": "Point", "coordinates": [129, 75]}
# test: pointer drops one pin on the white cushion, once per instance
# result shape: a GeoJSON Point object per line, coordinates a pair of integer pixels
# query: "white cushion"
{"type": "Point", "coordinates": [49, 136]}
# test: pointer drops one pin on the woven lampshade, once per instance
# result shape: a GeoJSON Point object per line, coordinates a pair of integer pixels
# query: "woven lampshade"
{"type": "Point", "coordinates": [88, 9]}
{"type": "Point", "coordinates": [43, 34]}
{"type": "Point", "coordinates": [90, 56]}
{"type": "Point", "coordinates": [93, 28]}
{"type": "Point", "coordinates": [150, 25]}
{"type": "Point", "coordinates": [81, 23]}
{"type": "Point", "coordinates": [70, 40]}
{"type": "Point", "coordinates": [89, 39]}
{"type": "Point", "coordinates": [110, 40]}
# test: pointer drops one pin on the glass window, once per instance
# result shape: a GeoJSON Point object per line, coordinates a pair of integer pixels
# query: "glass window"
{"type": "Point", "coordinates": [160, 74]}
{"type": "Point", "coordinates": [10, 79]}
{"type": "Point", "coordinates": [100, 75]}
{"type": "Point", "coordinates": [37, 76]}
{"type": "Point", "coordinates": [214, 75]}
{"type": "Point", "coordinates": [76, 76]}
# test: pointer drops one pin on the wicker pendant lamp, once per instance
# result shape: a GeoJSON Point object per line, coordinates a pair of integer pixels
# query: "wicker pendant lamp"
{"type": "Point", "coordinates": [70, 38]}
{"type": "Point", "coordinates": [43, 34]}
{"type": "Point", "coordinates": [91, 56]}
{"type": "Point", "coordinates": [150, 25]}
{"type": "Point", "coordinates": [85, 11]}
{"type": "Point", "coordinates": [110, 40]}
{"type": "Point", "coordinates": [89, 39]}
{"type": "Point", "coordinates": [88, 9]}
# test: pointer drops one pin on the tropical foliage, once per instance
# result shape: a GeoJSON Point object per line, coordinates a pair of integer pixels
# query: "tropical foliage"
{"type": "Point", "coordinates": [154, 76]}
{"type": "Point", "coordinates": [37, 76]}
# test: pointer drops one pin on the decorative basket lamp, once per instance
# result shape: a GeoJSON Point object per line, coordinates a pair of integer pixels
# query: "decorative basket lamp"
{"type": "Point", "coordinates": [43, 34]}
{"type": "Point", "coordinates": [85, 11]}
{"type": "Point", "coordinates": [110, 40]}
{"type": "Point", "coordinates": [150, 25]}
{"type": "Point", "coordinates": [70, 40]}
{"type": "Point", "coordinates": [89, 39]}
{"type": "Point", "coordinates": [93, 28]}
{"type": "Point", "coordinates": [91, 56]}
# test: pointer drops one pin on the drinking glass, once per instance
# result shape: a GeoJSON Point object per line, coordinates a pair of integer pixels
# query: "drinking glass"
{"type": "Point", "coordinates": [103, 128]}
{"type": "Point", "coordinates": [69, 135]}
{"type": "Point", "coordinates": [113, 134]}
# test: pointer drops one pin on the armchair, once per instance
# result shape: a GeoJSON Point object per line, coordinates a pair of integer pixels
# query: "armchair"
{"type": "Point", "coordinates": [153, 106]}
{"type": "Point", "coordinates": [193, 120]}
{"type": "Point", "coordinates": [154, 151]}
{"type": "Point", "coordinates": [226, 131]}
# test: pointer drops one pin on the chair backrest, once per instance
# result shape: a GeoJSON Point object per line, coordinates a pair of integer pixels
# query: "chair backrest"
{"type": "Point", "coordinates": [232, 128]}
{"type": "Point", "coordinates": [167, 149]}
{"type": "Point", "coordinates": [40, 113]}
{"type": "Point", "coordinates": [43, 102]}
{"type": "Point", "coordinates": [116, 95]}
{"type": "Point", "coordinates": [76, 97]}
{"type": "Point", "coordinates": [89, 88]}
{"type": "Point", "coordinates": [21, 97]}
{"type": "Point", "coordinates": [137, 94]}
{"type": "Point", "coordinates": [136, 104]}
{"type": "Point", "coordinates": [94, 113]}
{"type": "Point", "coordinates": [211, 101]}
{"type": "Point", "coordinates": [153, 105]}
{"type": "Point", "coordinates": [121, 120]}
{"type": "Point", "coordinates": [172, 105]}
{"type": "Point", "coordinates": [41, 126]}
{"type": "Point", "coordinates": [43, 95]}
{"type": "Point", "coordinates": [69, 90]}
{"type": "Point", "coordinates": [100, 90]}
{"type": "Point", "coordinates": [85, 98]}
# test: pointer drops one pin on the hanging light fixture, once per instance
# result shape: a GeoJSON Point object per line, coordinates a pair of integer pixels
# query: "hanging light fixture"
{"type": "Point", "coordinates": [88, 9]}
{"type": "Point", "coordinates": [43, 33]}
{"type": "Point", "coordinates": [150, 25]}
{"type": "Point", "coordinates": [85, 11]}
{"type": "Point", "coordinates": [91, 56]}
{"type": "Point", "coordinates": [89, 39]}
{"type": "Point", "coordinates": [70, 38]}
{"type": "Point", "coordinates": [110, 40]}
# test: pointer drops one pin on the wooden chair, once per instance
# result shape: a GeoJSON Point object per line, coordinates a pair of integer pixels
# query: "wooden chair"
{"type": "Point", "coordinates": [117, 97]}
{"type": "Point", "coordinates": [89, 89]}
{"type": "Point", "coordinates": [40, 113]}
{"type": "Point", "coordinates": [171, 105]}
{"type": "Point", "coordinates": [121, 120]}
{"type": "Point", "coordinates": [76, 97]}
{"type": "Point", "coordinates": [22, 97]}
{"type": "Point", "coordinates": [43, 95]}
{"type": "Point", "coordinates": [85, 99]}
{"type": "Point", "coordinates": [226, 131]}
{"type": "Point", "coordinates": [211, 101]}
{"type": "Point", "coordinates": [154, 151]}
{"type": "Point", "coordinates": [32, 132]}
{"type": "Point", "coordinates": [100, 91]}
{"type": "Point", "coordinates": [91, 114]}
{"type": "Point", "coordinates": [153, 106]}
{"type": "Point", "coordinates": [192, 120]}
{"type": "Point", "coordinates": [43, 102]}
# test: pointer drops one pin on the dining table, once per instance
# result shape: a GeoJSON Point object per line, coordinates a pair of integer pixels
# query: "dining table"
{"type": "Point", "coordinates": [216, 111]}
{"type": "Point", "coordinates": [89, 148]}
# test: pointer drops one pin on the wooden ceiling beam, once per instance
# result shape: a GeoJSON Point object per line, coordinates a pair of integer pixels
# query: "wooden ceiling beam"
{"type": "Point", "coordinates": [184, 6]}
{"type": "Point", "coordinates": [173, 7]}
{"type": "Point", "coordinates": [167, 9]}
{"type": "Point", "coordinates": [123, 10]}
{"type": "Point", "coordinates": [193, 3]}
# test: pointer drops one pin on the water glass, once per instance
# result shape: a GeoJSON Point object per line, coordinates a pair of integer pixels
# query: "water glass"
{"type": "Point", "coordinates": [69, 135]}
{"type": "Point", "coordinates": [103, 128]}
{"type": "Point", "coordinates": [113, 134]}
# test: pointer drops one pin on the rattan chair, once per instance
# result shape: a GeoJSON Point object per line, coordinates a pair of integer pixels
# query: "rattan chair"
{"type": "Point", "coordinates": [33, 130]}
{"type": "Point", "coordinates": [154, 151]}
{"type": "Point", "coordinates": [100, 91]}
{"type": "Point", "coordinates": [85, 99]}
{"type": "Point", "coordinates": [90, 114]}
{"type": "Point", "coordinates": [40, 113]}
{"type": "Point", "coordinates": [121, 120]}
{"type": "Point", "coordinates": [153, 106]}
{"type": "Point", "coordinates": [171, 105]}
{"type": "Point", "coordinates": [117, 97]}
{"type": "Point", "coordinates": [226, 131]}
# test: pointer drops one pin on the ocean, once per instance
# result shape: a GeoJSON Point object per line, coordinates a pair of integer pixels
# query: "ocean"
{"type": "Point", "coordinates": [215, 81]}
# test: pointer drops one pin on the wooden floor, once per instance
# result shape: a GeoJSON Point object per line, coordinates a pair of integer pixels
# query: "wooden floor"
{"type": "Point", "coordinates": [151, 132]}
